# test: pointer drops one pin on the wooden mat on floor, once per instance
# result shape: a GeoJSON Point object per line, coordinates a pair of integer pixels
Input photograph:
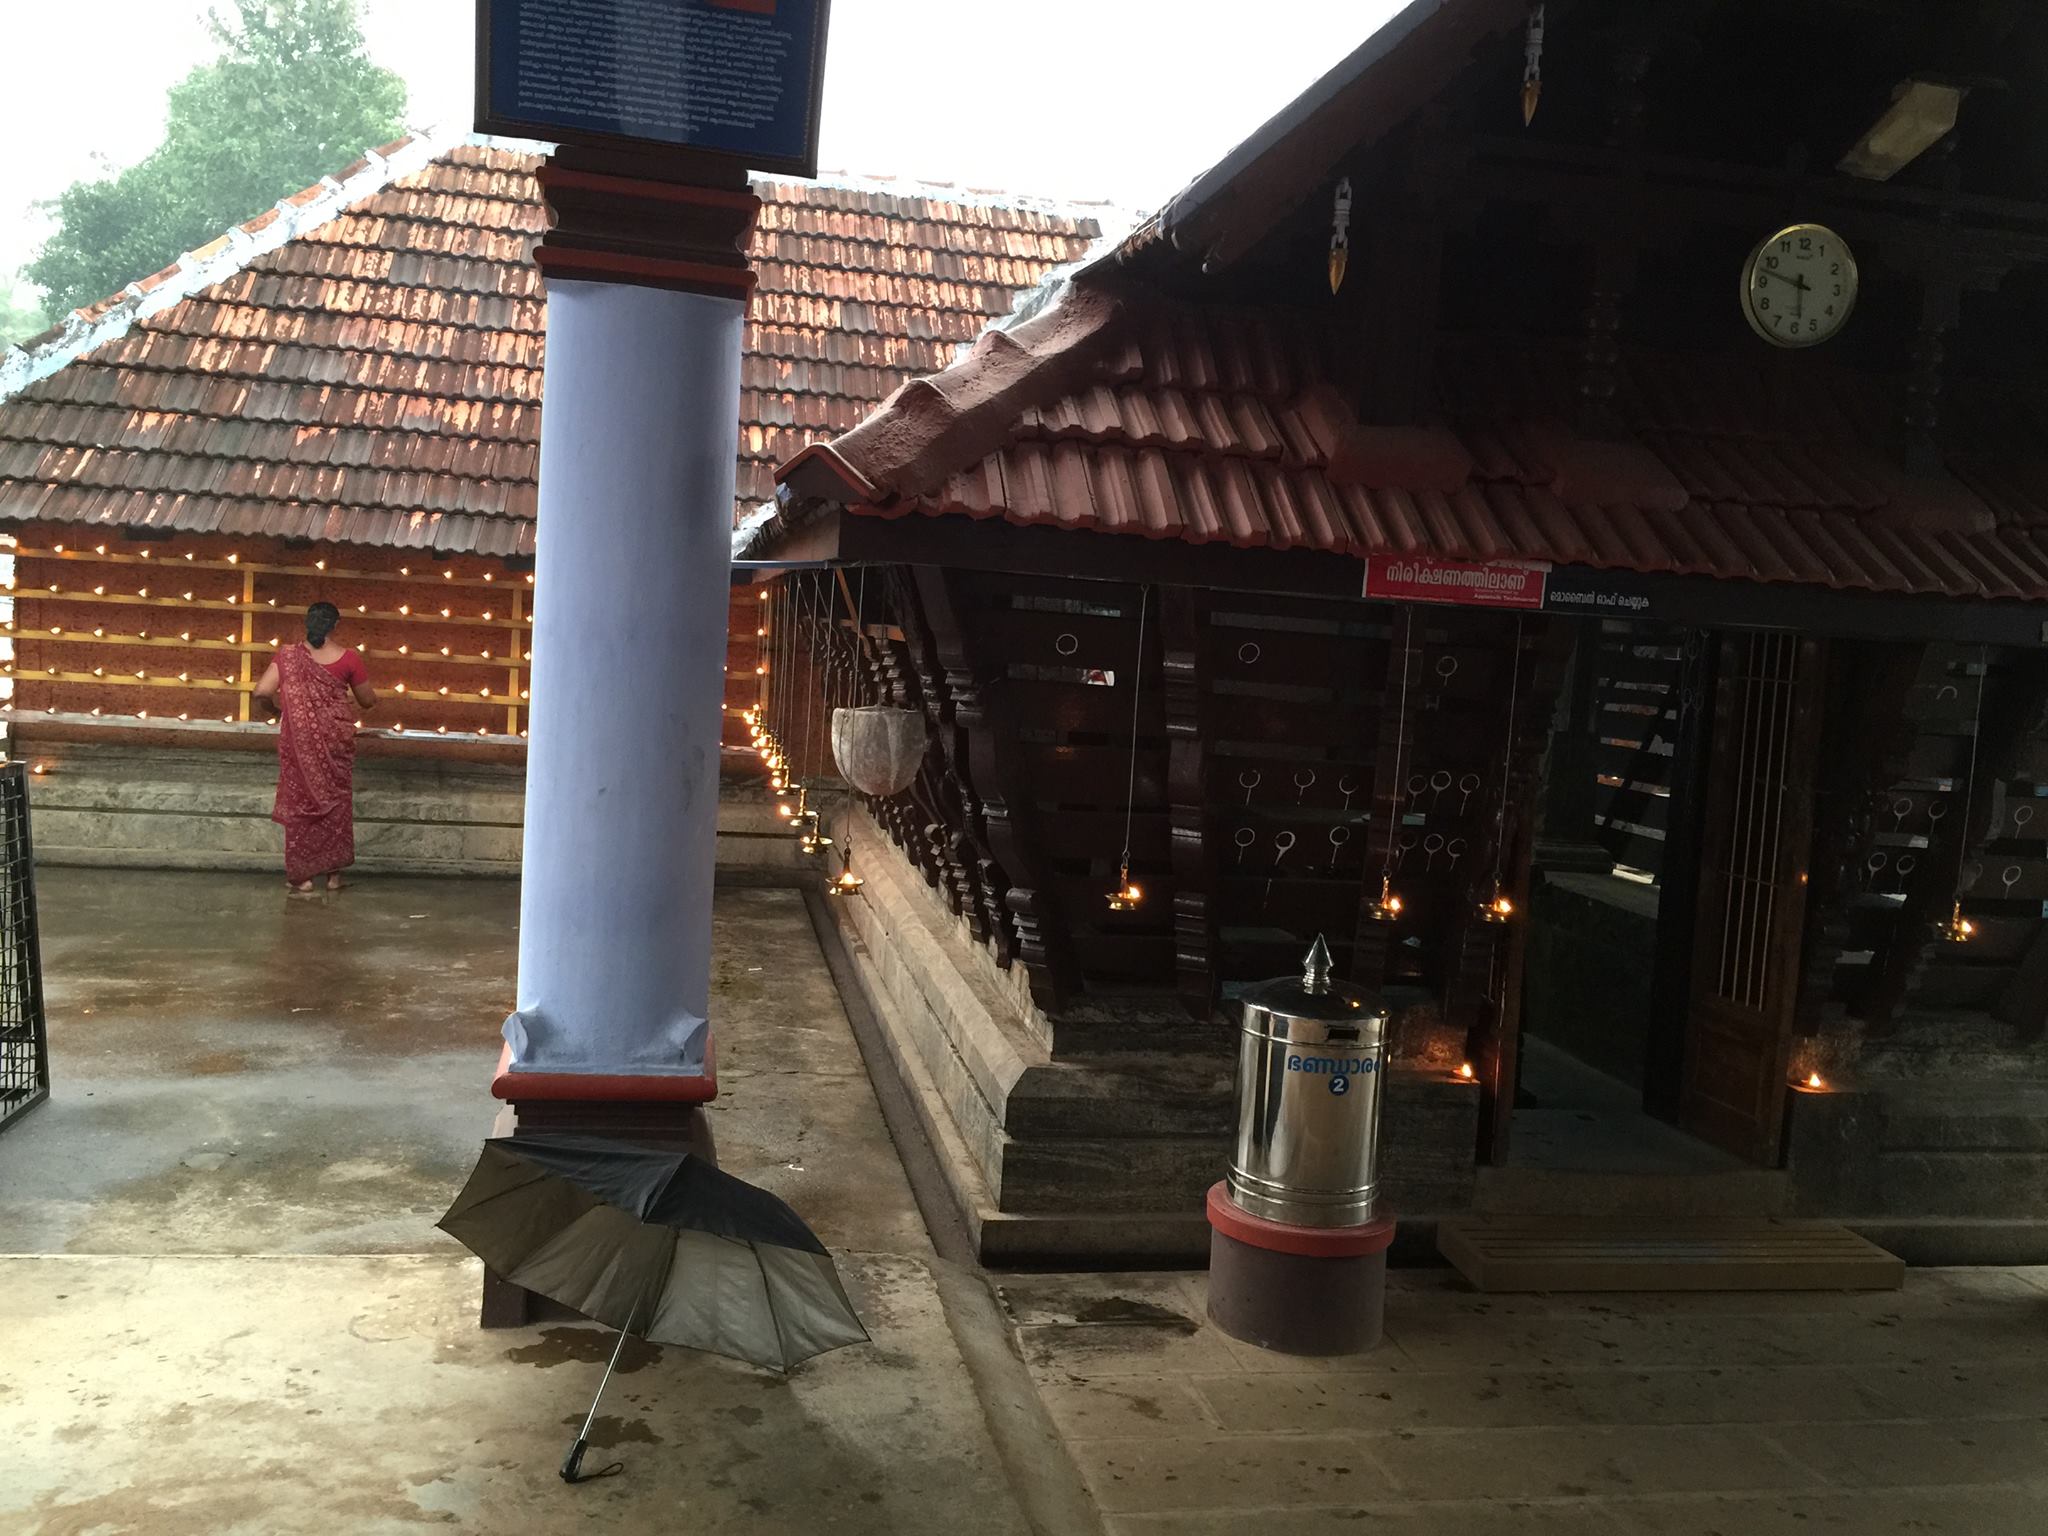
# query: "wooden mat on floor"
{"type": "Point", "coordinates": [1609, 1253]}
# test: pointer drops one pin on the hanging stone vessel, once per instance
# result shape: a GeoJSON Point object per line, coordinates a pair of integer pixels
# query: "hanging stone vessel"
{"type": "Point", "coordinates": [878, 747]}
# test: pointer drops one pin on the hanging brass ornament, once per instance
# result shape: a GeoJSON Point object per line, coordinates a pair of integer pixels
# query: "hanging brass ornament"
{"type": "Point", "coordinates": [878, 747]}
{"type": "Point", "coordinates": [1532, 66]}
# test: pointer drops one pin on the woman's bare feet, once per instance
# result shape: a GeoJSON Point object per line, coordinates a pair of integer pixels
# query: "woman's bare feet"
{"type": "Point", "coordinates": [299, 888]}
{"type": "Point", "coordinates": [336, 883]}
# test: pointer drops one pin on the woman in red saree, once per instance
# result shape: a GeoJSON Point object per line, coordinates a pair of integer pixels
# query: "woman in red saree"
{"type": "Point", "coordinates": [317, 689]}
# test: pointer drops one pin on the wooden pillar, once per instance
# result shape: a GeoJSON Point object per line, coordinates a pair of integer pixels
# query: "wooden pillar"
{"type": "Point", "coordinates": [248, 639]}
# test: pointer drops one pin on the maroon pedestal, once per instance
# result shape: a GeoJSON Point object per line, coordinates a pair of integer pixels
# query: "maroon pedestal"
{"type": "Point", "coordinates": [653, 1111]}
{"type": "Point", "coordinates": [1297, 1290]}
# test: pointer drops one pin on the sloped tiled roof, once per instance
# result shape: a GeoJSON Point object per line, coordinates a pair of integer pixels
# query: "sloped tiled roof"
{"type": "Point", "coordinates": [1137, 415]}
{"type": "Point", "coordinates": [363, 364]}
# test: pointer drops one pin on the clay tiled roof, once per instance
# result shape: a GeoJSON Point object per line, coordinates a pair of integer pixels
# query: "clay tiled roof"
{"type": "Point", "coordinates": [1136, 415]}
{"type": "Point", "coordinates": [362, 364]}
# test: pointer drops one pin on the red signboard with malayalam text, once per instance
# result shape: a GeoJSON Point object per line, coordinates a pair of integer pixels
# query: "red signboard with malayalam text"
{"type": "Point", "coordinates": [1469, 583]}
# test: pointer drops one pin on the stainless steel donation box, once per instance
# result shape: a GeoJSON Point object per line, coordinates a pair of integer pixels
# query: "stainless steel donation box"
{"type": "Point", "coordinates": [1309, 1065]}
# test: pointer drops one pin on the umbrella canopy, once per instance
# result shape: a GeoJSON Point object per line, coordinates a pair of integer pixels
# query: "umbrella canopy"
{"type": "Point", "coordinates": [656, 1243]}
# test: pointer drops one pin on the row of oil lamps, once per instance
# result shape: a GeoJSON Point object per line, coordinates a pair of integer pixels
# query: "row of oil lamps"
{"type": "Point", "coordinates": [793, 805]}
{"type": "Point", "coordinates": [1495, 907]}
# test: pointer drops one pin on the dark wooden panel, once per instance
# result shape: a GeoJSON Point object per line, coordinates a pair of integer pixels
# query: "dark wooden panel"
{"type": "Point", "coordinates": [1078, 834]}
{"type": "Point", "coordinates": [1085, 898]}
{"type": "Point", "coordinates": [1277, 786]}
{"type": "Point", "coordinates": [1083, 709]}
{"type": "Point", "coordinates": [1069, 775]}
{"type": "Point", "coordinates": [1327, 726]}
{"type": "Point", "coordinates": [1305, 906]}
{"type": "Point", "coordinates": [1141, 957]}
{"type": "Point", "coordinates": [1042, 639]}
{"type": "Point", "coordinates": [1288, 656]}
{"type": "Point", "coordinates": [2000, 879]}
{"type": "Point", "coordinates": [1937, 757]}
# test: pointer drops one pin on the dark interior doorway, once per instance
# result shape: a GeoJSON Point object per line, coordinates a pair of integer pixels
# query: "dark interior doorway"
{"type": "Point", "coordinates": [1613, 909]}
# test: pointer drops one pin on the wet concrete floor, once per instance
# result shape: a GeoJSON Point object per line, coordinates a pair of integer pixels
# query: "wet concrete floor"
{"type": "Point", "coordinates": [238, 1072]}
{"type": "Point", "coordinates": [227, 1309]}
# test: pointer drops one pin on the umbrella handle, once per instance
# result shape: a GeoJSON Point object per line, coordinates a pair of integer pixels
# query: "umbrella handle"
{"type": "Point", "coordinates": [572, 1464]}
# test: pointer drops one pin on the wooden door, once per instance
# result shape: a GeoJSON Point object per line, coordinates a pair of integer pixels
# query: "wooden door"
{"type": "Point", "coordinates": [1752, 891]}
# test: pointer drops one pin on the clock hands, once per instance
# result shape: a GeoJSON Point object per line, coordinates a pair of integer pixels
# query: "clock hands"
{"type": "Point", "coordinates": [1797, 282]}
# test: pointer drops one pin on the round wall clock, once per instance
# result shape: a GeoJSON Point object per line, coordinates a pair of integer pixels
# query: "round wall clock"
{"type": "Point", "coordinates": [1799, 286]}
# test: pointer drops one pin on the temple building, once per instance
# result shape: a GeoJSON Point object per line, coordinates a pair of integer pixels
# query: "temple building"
{"type": "Point", "coordinates": [1580, 549]}
{"type": "Point", "coordinates": [340, 399]}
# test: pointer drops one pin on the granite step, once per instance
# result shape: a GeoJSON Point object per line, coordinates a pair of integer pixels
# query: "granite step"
{"type": "Point", "coordinates": [1635, 1253]}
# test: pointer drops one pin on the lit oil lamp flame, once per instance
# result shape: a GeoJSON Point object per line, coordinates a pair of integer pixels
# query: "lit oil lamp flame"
{"type": "Point", "coordinates": [1497, 908]}
{"type": "Point", "coordinates": [1387, 908]}
{"type": "Point", "coordinates": [1959, 929]}
{"type": "Point", "coordinates": [847, 883]}
{"type": "Point", "coordinates": [1465, 1071]}
{"type": "Point", "coordinates": [1813, 1080]}
{"type": "Point", "coordinates": [1127, 897]}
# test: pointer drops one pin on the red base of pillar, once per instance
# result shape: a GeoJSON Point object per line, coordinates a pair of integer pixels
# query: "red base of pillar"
{"type": "Point", "coordinates": [538, 1103]}
{"type": "Point", "coordinates": [1297, 1290]}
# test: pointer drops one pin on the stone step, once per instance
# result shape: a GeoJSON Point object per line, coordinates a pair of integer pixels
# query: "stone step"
{"type": "Point", "coordinates": [1963, 1184]}
{"type": "Point", "coordinates": [1634, 1253]}
{"type": "Point", "coordinates": [1755, 1192]}
{"type": "Point", "coordinates": [1939, 1240]}
{"type": "Point", "coordinates": [1938, 1047]}
{"type": "Point", "coordinates": [1123, 1094]}
{"type": "Point", "coordinates": [1117, 1175]}
{"type": "Point", "coordinates": [1975, 1115]}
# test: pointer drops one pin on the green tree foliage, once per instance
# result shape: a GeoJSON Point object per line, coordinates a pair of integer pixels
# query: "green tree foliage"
{"type": "Point", "coordinates": [21, 312]}
{"type": "Point", "coordinates": [291, 97]}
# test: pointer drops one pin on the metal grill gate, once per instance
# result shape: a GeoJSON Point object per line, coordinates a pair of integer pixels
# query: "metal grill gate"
{"type": "Point", "coordinates": [24, 1034]}
{"type": "Point", "coordinates": [1752, 891]}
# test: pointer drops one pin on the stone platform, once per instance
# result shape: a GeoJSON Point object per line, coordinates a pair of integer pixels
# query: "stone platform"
{"type": "Point", "coordinates": [1059, 1149]}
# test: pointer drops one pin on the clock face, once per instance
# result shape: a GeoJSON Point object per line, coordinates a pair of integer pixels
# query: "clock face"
{"type": "Point", "coordinates": [1799, 286]}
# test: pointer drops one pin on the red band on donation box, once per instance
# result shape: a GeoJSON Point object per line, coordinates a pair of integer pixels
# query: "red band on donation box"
{"type": "Point", "coordinates": [1469, 583]}
{"type": "Point", "coordinates": [1242, 1226]}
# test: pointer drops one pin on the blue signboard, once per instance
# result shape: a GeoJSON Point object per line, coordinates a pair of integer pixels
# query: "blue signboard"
{"type": "Point", "coordinates": [737, 78]}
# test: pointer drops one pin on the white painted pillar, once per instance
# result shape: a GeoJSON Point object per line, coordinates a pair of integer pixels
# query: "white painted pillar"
{"type": "Point", "coordinates": [629, 643]}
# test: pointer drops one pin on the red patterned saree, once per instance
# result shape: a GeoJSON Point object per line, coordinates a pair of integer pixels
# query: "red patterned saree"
{"type": "Point", "coordinates": [316, 756]}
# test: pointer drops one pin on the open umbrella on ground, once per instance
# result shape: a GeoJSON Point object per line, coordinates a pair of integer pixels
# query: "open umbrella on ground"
{"type": "Point", "coordinates": [656, 1243]}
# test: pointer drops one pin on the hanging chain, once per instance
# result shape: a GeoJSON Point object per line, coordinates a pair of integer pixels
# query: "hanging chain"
{"type": "Point", "coordinates": [818, 693]}
{"type": "Point", "coordinates": [1137, 689]}
{"type": "Point", "coordinates": [1400, 741]}
{"type": "Point", "coordinates": [1507, 753]}
{"type": "Point", "coordinates": [1970, 783]}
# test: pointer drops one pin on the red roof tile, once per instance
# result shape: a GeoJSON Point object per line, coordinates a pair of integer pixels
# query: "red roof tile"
{"type": "Point", "coordinates": [1137, 414]}
{"type": "Point", "coordinates": [376, 377]}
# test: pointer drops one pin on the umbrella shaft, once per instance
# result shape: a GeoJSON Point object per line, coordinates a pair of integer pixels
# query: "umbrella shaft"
{"type": "Point", "coordinates": [617, 1349]}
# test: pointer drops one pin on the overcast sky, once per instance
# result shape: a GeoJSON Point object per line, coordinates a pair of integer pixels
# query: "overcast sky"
{"type": "Point", "coordinates": [1117, 100]}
